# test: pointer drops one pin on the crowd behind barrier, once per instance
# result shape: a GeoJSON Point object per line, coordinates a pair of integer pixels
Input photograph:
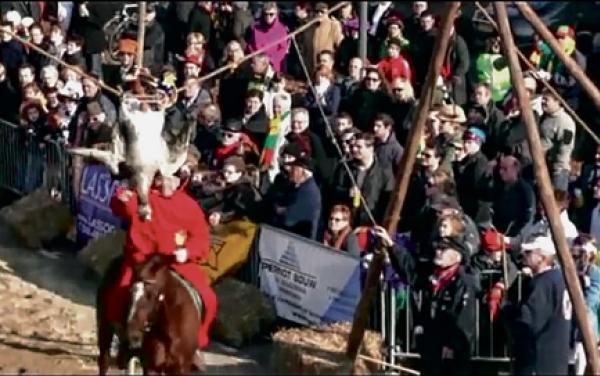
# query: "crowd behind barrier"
{"type": "Point", "coordinates": [48, 166]}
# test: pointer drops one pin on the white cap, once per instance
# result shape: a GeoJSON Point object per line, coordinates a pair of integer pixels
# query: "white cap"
{"type": "Point", "coordinates": [13, 17]}
{"type": "Point", "coordinates": [544, 244]}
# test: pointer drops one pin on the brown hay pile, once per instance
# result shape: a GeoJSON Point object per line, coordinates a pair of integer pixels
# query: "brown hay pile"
{"type": "Point", "coordinates": [321, 350]}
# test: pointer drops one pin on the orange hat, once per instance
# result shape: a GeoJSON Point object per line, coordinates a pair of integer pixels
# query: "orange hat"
{"type": "Point", "coordinates": [128, 46]}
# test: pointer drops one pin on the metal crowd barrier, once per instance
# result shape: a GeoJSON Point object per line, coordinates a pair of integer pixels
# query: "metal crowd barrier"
{"type": "Point", "coordinates": [27, 164]}
{"type": "Point", "coordinates": [490, 337]}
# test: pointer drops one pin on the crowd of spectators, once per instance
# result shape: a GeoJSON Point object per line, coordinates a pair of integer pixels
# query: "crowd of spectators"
{"type": "Point", "coordinates": [316, 154]}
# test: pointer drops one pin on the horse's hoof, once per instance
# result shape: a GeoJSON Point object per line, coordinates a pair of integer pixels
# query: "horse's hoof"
{"type": "Point", "coordinates": [145, 213]}
{"type": "Point", "coordinates": [199, 364]}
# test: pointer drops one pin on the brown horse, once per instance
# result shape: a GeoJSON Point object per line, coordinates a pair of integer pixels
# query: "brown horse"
{"type": "Point", "coordinates": [162, 323]}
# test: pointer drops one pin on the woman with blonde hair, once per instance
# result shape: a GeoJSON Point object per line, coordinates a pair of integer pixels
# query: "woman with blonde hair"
{"type": "Point", "coordinates": [338, 233]}
{"type": "Point", "coordinates": [233, 53]}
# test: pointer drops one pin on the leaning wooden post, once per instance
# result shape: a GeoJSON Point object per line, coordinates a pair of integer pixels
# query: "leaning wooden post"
{"type": "Point", "coordinates": [545, 189]}
{"type": "Point", "coordinates": [402, 178]}
{"type": "Point", "coordinates": [139, 61]}
{"type": "Point", "coordinates": [574, 69]}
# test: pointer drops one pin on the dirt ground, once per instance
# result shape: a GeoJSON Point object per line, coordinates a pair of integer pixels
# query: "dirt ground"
{"type": "Point", "coordinates": [47, 318]}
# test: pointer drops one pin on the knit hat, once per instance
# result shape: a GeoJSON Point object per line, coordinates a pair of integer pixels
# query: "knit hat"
{"type": "Point", "coordinates": [565, 31]}
{"type": "Point", "coordinates": [474, 134]}
{"type": "Point", "coordinates": [302, 161]}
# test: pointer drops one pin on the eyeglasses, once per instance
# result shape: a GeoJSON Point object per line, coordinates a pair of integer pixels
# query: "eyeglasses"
{"type": "Point", "coordinates": [334, 219]}
{"type": "Point", "coordinates": [372, 79]}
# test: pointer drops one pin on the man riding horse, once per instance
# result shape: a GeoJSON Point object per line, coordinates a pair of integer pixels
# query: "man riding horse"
{"type": "Point", "coordinates": [177, 228]}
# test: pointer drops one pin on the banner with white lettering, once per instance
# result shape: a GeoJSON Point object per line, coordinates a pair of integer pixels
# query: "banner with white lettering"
{"type": "Point", "coordinates": [94, 216]}
{"type": "Point", "coordinates": [308, 282]}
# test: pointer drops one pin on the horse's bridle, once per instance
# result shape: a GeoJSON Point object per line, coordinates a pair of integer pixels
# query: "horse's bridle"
{"type": "Point", "coordinates": [161, 296]}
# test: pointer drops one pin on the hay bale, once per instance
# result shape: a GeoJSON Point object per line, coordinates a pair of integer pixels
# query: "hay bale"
{"type": "Point", "coordinates": [321, 350]}
{"type": "Point", "coordinates": [99, 253]}
{"type": "Point", "coordinates": [37, 218]}
{"type": "Point", "coordinates": [244, 312]}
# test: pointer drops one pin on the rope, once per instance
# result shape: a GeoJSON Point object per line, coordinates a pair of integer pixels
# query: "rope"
{"type": "Point", "coordinates": [547, 85]}
{"type": "Point", "coordinates": [331, 134]}
{"type": "Point", "coordinates": [291, 35]}
{"type": "Point", "coordinates": [59, 61]}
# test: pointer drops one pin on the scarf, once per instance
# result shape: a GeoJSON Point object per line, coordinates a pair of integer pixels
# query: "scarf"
{"type": "Point", "coordinates": [441, 277]}
{"type": "Point", "coordinates": [336, 242]}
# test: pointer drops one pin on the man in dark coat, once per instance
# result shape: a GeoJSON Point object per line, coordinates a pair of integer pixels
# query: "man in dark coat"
{"type": "Point", "coordinates": [387, 148]}
{"type": "Point", "coordinates": [88, 22]}
{"type": "Point", "coordinates": [456, 68]}
{"type": "Point", "coordinates": [200, 20]}
{"type": "Point", "coordinates": [373, 181]}
{"type": "Point", "coordinates": [154, 41]}
{"type": "Point", "coordinates": [471, 172]}
{"type": "Point", "coordinates": [445, 321]}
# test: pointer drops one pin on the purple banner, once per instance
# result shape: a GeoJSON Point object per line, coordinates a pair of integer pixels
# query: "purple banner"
{"type": "Point", "coordinates": [94, 217]}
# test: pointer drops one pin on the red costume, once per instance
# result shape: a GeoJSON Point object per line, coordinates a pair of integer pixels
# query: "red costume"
{"type": "Point", "coordinates": [170, 215]}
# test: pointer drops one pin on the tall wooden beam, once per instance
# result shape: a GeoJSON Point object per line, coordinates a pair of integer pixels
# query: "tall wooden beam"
{"type": "Point", "coordinates": [139, 61]}
{"type": "Point", "coordinates": [545, 189]}
{"type": "Point", "coordinates": [403, 177]}
{"type": "Point", "coordinates": [574, 69]}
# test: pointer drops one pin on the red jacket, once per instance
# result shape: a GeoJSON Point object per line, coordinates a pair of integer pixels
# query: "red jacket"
{"type": "Point", "coordinates": [392, 68]}
{"type": "Point", "coordinates": [170, 215]}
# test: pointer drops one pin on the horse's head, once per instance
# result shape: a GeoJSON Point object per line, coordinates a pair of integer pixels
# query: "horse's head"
{"type": "Point", "coordinates": [147, 295]}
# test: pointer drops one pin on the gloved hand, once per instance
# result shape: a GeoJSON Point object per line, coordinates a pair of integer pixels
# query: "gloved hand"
{"type": "Point", "coordinates": [181, 255]}
{"type": "Point", "coordinates": [492, 240]}
{"type": "Point", "coordinates": [494, 299]}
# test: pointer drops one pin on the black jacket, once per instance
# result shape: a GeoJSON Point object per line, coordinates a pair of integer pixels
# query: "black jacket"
{"type": "Point", "coordinates": [470, 175]}
{"type": "Point", "coordinates": [376, 189]}
{"type": "Point", "coordinates": [446, 316]}
{"type": "Point", "coordinates": [364, 104]}
{"type": "Point", "coordinates": [91, 27]}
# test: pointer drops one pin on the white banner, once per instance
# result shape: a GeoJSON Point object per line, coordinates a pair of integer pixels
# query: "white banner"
{"type": "Point", "coordinates": [309, 283]}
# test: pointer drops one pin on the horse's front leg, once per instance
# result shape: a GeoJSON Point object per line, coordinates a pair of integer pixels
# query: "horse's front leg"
{"type": "Point", "coordinates": [143, 182]}
{"type": "Point", "coordinates": [105, 336]}
{"type": "Point", "coordinates": [154, 354]}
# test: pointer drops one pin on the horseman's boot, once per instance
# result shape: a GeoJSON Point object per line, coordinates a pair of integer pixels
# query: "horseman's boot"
{"type": "Point", "coordinates": [198, 361]}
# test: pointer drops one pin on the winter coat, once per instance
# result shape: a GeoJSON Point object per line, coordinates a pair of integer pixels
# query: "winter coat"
{"type": "Point", "coordinates": [445, 317]}
{"type": "Point", "coordinates": [376, 189]}
{"type": "Point", "coordinates": [470, 175]}
{"type": "Point", "coordinates": [364, 104]}
{"type": "Point", "coordinates": [200, 22]}
{"type": "Point", "coordinates": [301, 209]}
{"type": "Point", "coordinates": [327, 36]}
{"type": "Point", "coordinates": [91, 28]}
{"type": "Point", "coordinates": [458, 62]}
{"type": "Point", "coordinates": [389, 153]}
{"type": "Point", "coordinates": [263, 34]}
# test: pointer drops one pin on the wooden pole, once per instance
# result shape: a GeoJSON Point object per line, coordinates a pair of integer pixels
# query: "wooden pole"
{"type": "Point", "coordinates": [545, 83]}
{"type": "Point", "coordinates": [574, 69]}
{"type": "Point", "coordinates": [139, 61]}
{"type": "Point", "coordinates": [402, 178]}
{"type": "Point", "coordinates": [545, 189]}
